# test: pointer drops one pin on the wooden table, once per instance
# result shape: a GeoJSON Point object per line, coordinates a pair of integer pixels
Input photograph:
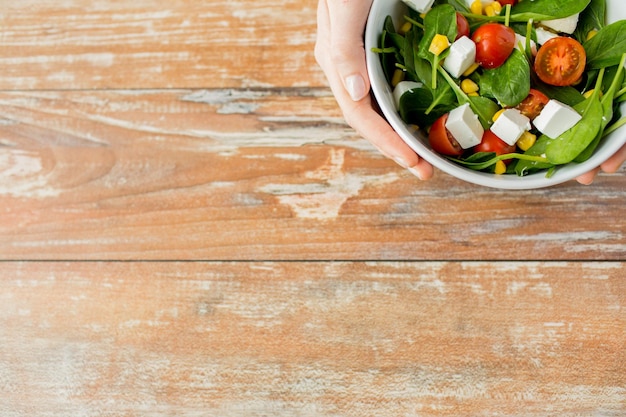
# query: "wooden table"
{"type": "Point", "coordinates": [189, 228]}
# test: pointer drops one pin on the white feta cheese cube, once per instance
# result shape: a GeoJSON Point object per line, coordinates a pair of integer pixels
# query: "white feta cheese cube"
{"type": "Point", "coordinates": [520, 44]}
{"type": "Point", "coordinates": [462, 55]}
{"type": "Point", "coordinates": [401, 88]}
{"type": "Point", "coordinates": [556, 118]}
{"type": "Point", "coordinates": [510, 126]}
{"type": "Point", "coordinates": [544, 35]}
{"type": "Point", "coordinates": [464, 125]}
{"type": "Point", "coordinates": [421, 6]}
{"type": "Point", "coordinates": [563, 25]}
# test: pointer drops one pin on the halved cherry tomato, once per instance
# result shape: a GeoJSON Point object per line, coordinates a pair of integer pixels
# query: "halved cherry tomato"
{"type": "Point", "coordinates": [505, 2]}
{"type": "Point", "coordinates": [494, 44]}
{"type": "Point", "coordinates": [532, 105]}
{"type": "Point", "coordinates": [441, 140]}
{"type": "Point", "coordinates": [560, 61]}
{"type": "Point", "coordinates": [492, 143]}
{"type": "Point", "coordinates": [462, 26]}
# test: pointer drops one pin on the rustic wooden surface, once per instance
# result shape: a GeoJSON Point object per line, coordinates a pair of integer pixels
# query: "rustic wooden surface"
{"type": "Point", "coordinates": [188, 228]}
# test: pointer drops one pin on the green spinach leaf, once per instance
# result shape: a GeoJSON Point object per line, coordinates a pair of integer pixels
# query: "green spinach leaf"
{"type": "Point", "coordinates": [482, 161]}
{"type": "Point", "coordinates": [567, 95]}
{"type": "Point", "coordinates": [389, 53]}
{"type": "Point", "coordinates": [569, 145]}
{"type": "Point", "coordinates": [484, 108]}
{"type": "Point", "coordinates": [606, 101]}
{"type": "Point", "coordinates": [546, 9]}
{"type": "Point", "coordinates": [417, 107]}
{"type": "Point", "coordinates": [525, 167]}
{"type": "Point", "coordinates": [510, 82]}
{"type": "Point", "coordinates": [439, 20]}
{"type": "Point", "coordinates": [592, 18]}
{"type": "Point", "coordinates": [411, 39]}
{"type": "Point", "coordinates": [441, 95]}
{"type": "Point", "coordinates": [607, 47]}
{"type": "Point", "coordinates": [460, 5]}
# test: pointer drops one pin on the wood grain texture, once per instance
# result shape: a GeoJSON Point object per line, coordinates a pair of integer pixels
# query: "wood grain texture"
{"type": "Point", "coordinates": [189, 228]}
{"type": "Point", "coordinates": [257, 175]}
{"type": "Point", "coordinates": [87, 44]}
{"type": "Point", "coordinates": [313, 339]}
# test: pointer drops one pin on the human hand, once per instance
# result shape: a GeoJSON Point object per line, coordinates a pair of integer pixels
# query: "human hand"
{"type": "Point", "coordinates": [340, 52]}
{"type": "Point", "coordinates": [611, 165]}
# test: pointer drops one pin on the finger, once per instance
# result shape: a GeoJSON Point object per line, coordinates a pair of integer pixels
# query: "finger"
{"type": "Point", "coordinates": [588, 177]}
{"type": "Point", "coordinates": [372, 126]}
{"type": "Point", "coordinates": [377, 130]}
{"type": "Point", "coordinates": [347, 22]}
{"type": "Point", "coordinates": [613, 163]}
{"type": "Point", "coordinates": [322, 42]}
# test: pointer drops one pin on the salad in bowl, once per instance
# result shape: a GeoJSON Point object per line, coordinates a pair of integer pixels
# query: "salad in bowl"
{"type": "Point", "coordinates": [514, 94]}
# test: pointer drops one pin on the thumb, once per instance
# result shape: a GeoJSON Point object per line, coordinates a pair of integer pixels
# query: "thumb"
{"type": "Point", "coordinates": [347, 23]}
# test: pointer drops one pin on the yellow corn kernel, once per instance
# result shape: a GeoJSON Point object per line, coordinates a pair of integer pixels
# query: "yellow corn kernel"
{"type": "Point", "coordinates": [474, 94]}
{"type": "Point", "coordinates": [439, 44]}
{"type": "Point", "coordinates": [476, 7]}
{"type": "Point", "coordinates": [497, 114]}
{"type": "Point", "coordinates": [469, 86]}
{"type": "Point", "coordinates": [471, 69]}
{"type": "Point", "coordinates": [492, 10]}
{"type": "Point", "coordinates": [405, 28]}
{"type": "Point", "coordinates": [589, 93]}
{"type": "Point", "coordinates": [398, 76]}
{"type": "Point", "coordinates": [526, 141]}
{"type": "Point", "coordinates": [500, 168]}
{"type": "Point", "coordinates": [422, 15]}
{"type": "Point", "coordinates": [591, 34]}
{"type": "Point", "coordinates": [413, 128]}
{"type": "Point", "coordinates": [497, 7]}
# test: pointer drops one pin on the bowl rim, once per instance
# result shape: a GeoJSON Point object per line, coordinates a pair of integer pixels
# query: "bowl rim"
{"type": "Point", "coordinates": [417, 140]}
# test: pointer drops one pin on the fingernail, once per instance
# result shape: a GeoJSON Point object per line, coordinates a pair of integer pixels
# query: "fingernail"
{"type": "Point", "coordinates": [415, 172]}
{"type": "Point", "coordinates": [356, 87]}
{"type": "Point", "coordinates": [405, 165]}
{"type": "Point", "coordinates": [398, 160]}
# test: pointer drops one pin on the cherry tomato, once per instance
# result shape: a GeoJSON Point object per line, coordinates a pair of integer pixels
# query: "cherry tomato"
{"type": "Point", "coordinates": [532, 105]}
{"type": "Point", "coordinates": [560, 61]}
{"type": "Point", "coordinates": [492, 143]}
{"type": "Point", "coordinates": [505, 2]}
{"type": "Point", "coordinates": [441, 140]}
{"type": "Point", "coordinates": [462, 26]}
{"type": "Point", "coordinates": [494, 44]}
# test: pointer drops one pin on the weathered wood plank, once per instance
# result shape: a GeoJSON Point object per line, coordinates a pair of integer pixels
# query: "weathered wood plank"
{"type": "Point", "coordinates": [86, 44]}
{"type": "Point", "coordinates": [313, 339]}
{"type": "Point", "coordinates": [258, 175]}
{"type": "Point", "coordinates": [204, 131]}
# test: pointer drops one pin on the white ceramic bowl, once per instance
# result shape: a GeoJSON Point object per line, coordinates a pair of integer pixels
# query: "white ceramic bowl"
{"type": "Point", "coordinates": [419, 142]}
